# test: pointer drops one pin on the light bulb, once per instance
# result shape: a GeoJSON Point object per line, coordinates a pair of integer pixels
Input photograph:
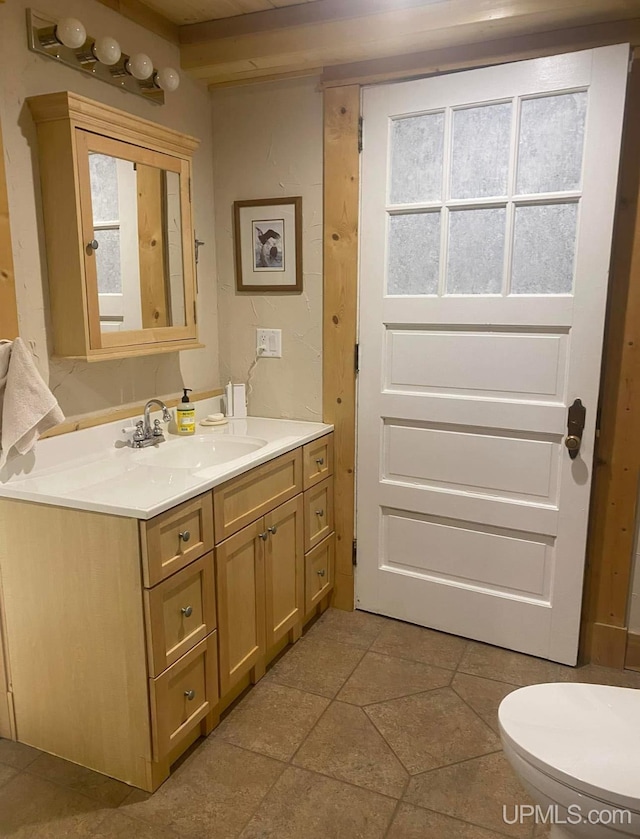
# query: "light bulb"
{"type": "Point", "coordinates": [107, 50]}
{"type": "Point", "coordinates": [168, 79]}
{"type": "Point", "coordinates": [71, 33]}
{"type": "Point", "coordinates": [140, 66]}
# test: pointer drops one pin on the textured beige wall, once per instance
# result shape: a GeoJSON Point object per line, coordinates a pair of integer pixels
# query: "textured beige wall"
{"type": "Point", "coordinates": [82, 388]}
{"type": "Point", "coordinates": [267, 144]}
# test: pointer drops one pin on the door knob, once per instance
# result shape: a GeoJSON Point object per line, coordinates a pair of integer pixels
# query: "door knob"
{"type": "Point", "coordinates": [320, 461]}
{"type": "Point", "coordinates": [273, 529]}
{"type": "Point", "coordinates": [185, 535]}
{"type": "Point", "coordinates": [264, 536]}
{"type": "Point", "coordinates": [575, 428]}
{"type": "Point", "coordinates": [321, 573]}
{"type": "Point", "coordinates": [320, 513]}
{"type": "Point", "coordinates": [190, 694]}
{"type": "Point", "coordinates": [187, 611]}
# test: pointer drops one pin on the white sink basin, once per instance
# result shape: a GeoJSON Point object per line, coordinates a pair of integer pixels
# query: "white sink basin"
{"type": "Point", "coordinates": [199, 452]}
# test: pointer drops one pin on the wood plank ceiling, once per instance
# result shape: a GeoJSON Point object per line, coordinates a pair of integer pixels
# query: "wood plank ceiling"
{"type": "Point", "coordinates": [197, 11]}
{"type": "Point", "coordinates": [236, 41]}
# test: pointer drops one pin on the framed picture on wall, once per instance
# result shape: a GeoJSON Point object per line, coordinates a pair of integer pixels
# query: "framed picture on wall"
{"type": "Point", "coordinates": [268, 244]}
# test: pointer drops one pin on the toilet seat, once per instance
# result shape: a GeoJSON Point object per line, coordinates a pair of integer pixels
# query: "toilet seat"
{"type": "Point", "coordinates": [584, 736]}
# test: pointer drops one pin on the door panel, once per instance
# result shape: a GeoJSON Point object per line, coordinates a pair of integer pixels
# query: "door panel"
{"type": "Point", "coordinates": [240, 584]}
{"type": "Point", "coordinates": [487, 210]}
{"type": "Point", "coordinates": [284, 568]}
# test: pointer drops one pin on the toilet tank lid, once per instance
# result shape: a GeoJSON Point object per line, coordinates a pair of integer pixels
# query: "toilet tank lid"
{"type": "Point", "coordinates": [587, 736]}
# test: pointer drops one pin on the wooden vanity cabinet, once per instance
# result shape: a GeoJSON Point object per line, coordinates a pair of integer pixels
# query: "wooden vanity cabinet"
{"type": "Point", "coordinates": [125, 639]}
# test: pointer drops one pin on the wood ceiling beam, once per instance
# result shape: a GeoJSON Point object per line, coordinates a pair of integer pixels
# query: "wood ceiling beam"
{"type": "Point", "coordinates": [482, 54]}
{"type": "Point", "coordinates": [286, 17]}
{"type": "Point", "coordinates": [139, 13]}
{"type": "Point", "coordinates": [311, 36]}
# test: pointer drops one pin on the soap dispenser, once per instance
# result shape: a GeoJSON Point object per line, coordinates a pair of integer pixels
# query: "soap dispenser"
{"type": "Point", "coordinates": [186, 414]}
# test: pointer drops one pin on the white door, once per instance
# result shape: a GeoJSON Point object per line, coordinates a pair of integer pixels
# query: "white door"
{"type": "Point", "coordinates": [487, 201]}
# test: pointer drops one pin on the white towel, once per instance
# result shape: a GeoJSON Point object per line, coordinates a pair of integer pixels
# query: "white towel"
{"type": "Point", "coordinates": [27, 406]}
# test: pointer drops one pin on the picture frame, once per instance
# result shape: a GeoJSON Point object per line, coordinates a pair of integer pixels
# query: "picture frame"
{"type": "Point", "coordinates": [268, 245]}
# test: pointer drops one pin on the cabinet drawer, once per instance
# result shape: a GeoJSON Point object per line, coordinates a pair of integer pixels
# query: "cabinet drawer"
{"type": "Point", "coordinates": [244, 499]}
{"type": "Point", "coordinates": [175, 538]}
{"type": "Point", "coordinates": [318, 513]}
{"type": "Point", "coordinates": [317, 460]}
{"type": "Point", "coordinates": [318, 572]}
{"type": "Point", "coordinates": [179, 612]}
{"type": "Point", "coordinates": [183, 695]}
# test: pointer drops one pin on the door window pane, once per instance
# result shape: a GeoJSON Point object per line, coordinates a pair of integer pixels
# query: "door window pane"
{"type": "Point", "coordinates": [480, 158]}
{"type": "Point", "coordinates": [416, 158]}
{"type": "Point", "coordinates": [108, 264]}
{"type": "Point", "coordinates": [413, 253]}
{"type": "Point", "coordinates": [544, 246]}
{"type": "Point", "coordinates": [475, 261]}
{"type": "Point", "coordinates": [551, 142]}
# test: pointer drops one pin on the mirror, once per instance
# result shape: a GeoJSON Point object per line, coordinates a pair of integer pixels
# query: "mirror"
{"type": "Point", "coordinates": [137, 243]}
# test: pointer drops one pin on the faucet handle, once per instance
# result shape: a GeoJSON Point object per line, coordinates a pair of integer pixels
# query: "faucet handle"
{"type": "Point", "coordinates": [138, 434]}
{"type": "Point", "coordinates": [166, 415]}
{"type": "Point", "coordinates": [157, 431]}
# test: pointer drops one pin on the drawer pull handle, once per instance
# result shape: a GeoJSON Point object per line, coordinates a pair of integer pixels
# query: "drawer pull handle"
{"type": "Point", "coordinates": [321, 573]}
{"type": "Point", "coordinates": [185, 535]}
{"type": "Point", "coordinates": [320, 513]}
{"type": "Point", "coordinates": [273, 529]}
{"type": "Point", "coordinates": [263, 536]}
{"type": "Point", "coordinates": [187, 611]}
{"type": "Point", "coordinates": [320, 461]}
{"type": "Point", "coordinates": [190, 694]}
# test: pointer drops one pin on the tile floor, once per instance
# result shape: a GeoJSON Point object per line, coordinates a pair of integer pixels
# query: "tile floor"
{"type": "Point", "coordinates": [367, 728]}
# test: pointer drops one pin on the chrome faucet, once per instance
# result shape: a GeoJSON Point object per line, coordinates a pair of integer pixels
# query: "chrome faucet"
{"type": "Point", "coordinates": [145, 435]}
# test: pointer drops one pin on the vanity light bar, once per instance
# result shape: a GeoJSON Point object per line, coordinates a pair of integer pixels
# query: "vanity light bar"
{"type": "Point", "coordinates": [67, 43]}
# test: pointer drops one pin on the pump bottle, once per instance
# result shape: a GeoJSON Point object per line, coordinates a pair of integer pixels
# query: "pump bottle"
{"type": "Point", "coordinates": [186, 414]}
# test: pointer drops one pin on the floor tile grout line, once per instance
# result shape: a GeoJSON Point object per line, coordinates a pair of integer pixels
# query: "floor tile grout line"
{"type": "Point", "coordinates": [458, 819]}
{"type": "Point", "coordinates": [261, 802]}
{"type": "Point", "coordinates": [288, 764]}
{"type": "Point", "coordinates": [450, 765]}
{"type": "Point", "coordinates": [471, 708]}
{"type": "Point", "coordinates": [393, 818]}
{"type": "Point", "coordinates": [348, 783]}
{"type": "Point", "coordinates": [382, 737]}
{"type": "Point", "coordinates": [392, 698]}
{"type": "Point", "coordinates": [310, 732]}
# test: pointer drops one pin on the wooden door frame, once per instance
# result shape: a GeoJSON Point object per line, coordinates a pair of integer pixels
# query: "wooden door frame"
{"type": "Point", "coordinates": [612, 521]}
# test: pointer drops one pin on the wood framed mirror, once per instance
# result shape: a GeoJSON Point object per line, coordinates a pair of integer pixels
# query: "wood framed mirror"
{"type": "Point", "coordinates": [119, 231]}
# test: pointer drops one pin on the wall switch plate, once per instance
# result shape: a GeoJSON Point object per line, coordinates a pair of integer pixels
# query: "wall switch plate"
{"type": "Point", "coordinates": [269, 343]}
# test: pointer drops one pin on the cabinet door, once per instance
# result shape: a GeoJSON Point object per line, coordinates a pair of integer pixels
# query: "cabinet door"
{"type": "Point", "coordinates": [284, 568]}
{"type": "Point", "coordinates": [241, 614]}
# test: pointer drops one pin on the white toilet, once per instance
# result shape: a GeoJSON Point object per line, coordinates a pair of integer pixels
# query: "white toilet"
{"type": "Point", "coordinates": [576, 749]}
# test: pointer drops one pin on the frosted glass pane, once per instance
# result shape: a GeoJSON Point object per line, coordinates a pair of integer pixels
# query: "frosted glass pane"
{"type": "Point", "coordinates": [476, 251]}
{"type": "Point", "coordinates": [544, 248]}
{"type": "Point", "coordinates": [104, 187]}
{"type": "Point", "coordinates": [417, 145]}
{"type": "Point", "coordinates": [480, 161]}
{"type": "Point", "coordinates": [108, 261]}
{"type": "Point", "coordinates": [551, 142]}
{"type": "Point", "coordinates": [413, 254]}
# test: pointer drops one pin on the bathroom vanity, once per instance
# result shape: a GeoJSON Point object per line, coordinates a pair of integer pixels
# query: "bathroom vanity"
{"type": "Point", "coordinates": [143, 591]}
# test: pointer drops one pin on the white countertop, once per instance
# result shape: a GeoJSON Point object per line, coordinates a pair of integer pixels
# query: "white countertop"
{"type": "Point", "coordinates": [95, 470]}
